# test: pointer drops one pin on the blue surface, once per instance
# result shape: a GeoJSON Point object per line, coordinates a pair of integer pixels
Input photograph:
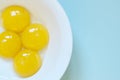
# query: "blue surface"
{"type": "Point", "coordinates": [96, 31]}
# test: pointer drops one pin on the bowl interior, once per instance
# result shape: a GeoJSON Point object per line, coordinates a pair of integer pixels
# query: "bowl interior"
{"type": "Point", "coordinates": [55, 53]}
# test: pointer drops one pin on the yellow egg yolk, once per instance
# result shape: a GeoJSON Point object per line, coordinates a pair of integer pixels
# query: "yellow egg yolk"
{"type": "Point", "coordinates": [10, 44]}
{"type": "Point", "coordinates": [35, 37]}
{"type": "Point", "coordinates": [15, 18]}
{"type": "Point", "coordinates": [27, 63]}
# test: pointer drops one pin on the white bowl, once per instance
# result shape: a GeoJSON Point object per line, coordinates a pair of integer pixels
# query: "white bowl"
{"type": "Point", "coordinates": [58, 53]}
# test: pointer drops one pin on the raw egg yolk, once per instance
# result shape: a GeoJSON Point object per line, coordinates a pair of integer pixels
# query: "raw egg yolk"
{"type": "Point", "coordinates": [15, 18]}
{"type": "Point", "coordinates": [10, 44]}
{"type": "Point", "coordinates": [27, 63]}
{"type": "Point", "coordinates": [35, 37]}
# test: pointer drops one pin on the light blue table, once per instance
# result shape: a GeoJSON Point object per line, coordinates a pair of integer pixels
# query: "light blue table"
{"type": "Point", "coordinates": [96, 31]}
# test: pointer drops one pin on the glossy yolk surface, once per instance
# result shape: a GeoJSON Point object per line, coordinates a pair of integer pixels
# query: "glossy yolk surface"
{"type": "Point", "coordinates": [10, 44]}
{"type": "Point", "coordinates": [15, 18]}
{"type": "Point", "coordinates": [27, 63]}
{"type": "Point", "coordinates": [35, 37]}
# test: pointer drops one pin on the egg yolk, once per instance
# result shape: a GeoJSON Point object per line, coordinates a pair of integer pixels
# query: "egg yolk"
{"type": "Point", "coordinates": [35, 37]}
{"type": "Point", "coordinates": [15, 18]}
{"type": "Point", "coordinates": [27, 63]}
{"type": "Point", "coordinates": [10, 44]}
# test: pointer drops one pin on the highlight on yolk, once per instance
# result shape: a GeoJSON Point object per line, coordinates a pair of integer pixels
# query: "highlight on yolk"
{"type": "Point", "coordinates": [35, 37]}
{"type": "Point", "coordinates": [27, 63]}
{"type": "Point", "coordinates": [10, 44]}
{"type": "Point", "coordinates": [15, 18]}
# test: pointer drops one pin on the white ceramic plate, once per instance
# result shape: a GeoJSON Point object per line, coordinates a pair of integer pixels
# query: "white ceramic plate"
{"type": "Point", "coordinates": [58, 53]}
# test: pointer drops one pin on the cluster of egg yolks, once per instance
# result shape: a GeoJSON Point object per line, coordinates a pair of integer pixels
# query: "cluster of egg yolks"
{"type": "Point", "coordinates": [10, 44]}
{"type": "Point", "coordinates": [15, 18]}
{"type": "Point", "coordinates": [27, 62]}
{"type": "Point", "coordinates": [35, 37]}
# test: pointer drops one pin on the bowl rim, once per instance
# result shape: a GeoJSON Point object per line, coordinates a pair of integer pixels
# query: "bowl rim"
{"type": "Point", "coordinates": [70, 37]}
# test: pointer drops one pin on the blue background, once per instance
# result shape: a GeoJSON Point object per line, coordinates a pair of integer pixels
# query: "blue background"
{"type": "Point", "coordinates": [96, 31]}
